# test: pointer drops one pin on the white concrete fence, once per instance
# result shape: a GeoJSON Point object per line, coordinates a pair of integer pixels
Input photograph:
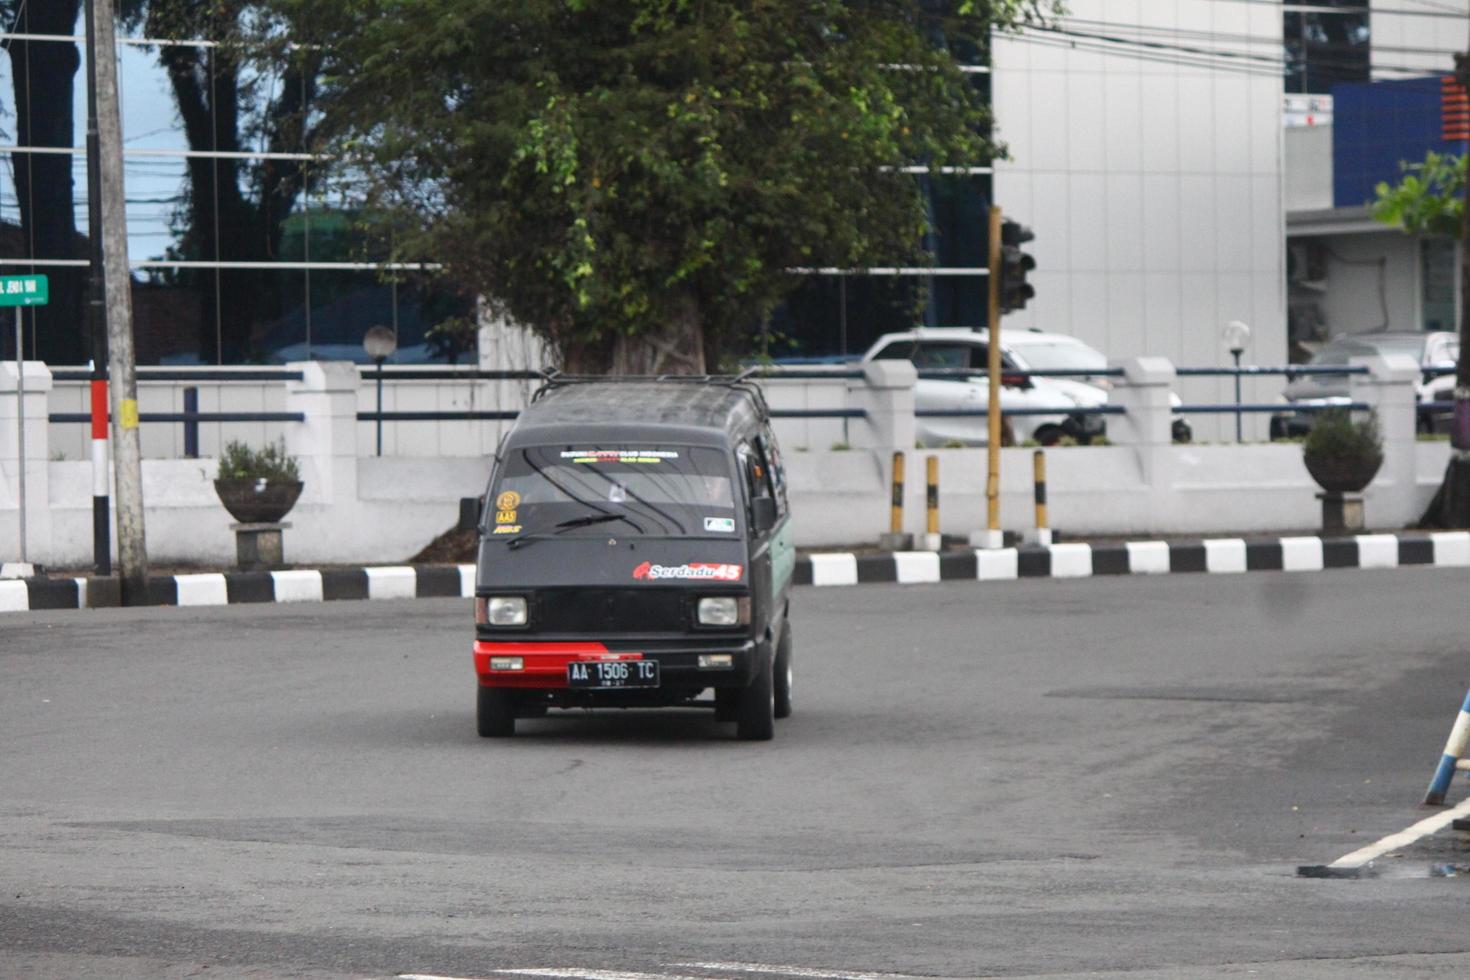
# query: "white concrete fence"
{"type": "Point", "coordinates": [361, 508]}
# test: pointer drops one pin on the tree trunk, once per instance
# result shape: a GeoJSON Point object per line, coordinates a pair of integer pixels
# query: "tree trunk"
{"type": "Point", "coordinates": [1451, 505]}
{"type": "Point", "coordinates": [675, 347]}
{"type": "Point", "coordinates": [42, 76]}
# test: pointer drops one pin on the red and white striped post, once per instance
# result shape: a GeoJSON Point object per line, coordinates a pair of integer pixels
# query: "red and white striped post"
{"type": "Point", "coordinates": [101, 513]}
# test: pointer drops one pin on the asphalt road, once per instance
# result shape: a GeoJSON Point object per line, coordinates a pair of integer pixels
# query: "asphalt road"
{"type": "Point", "coordinates": [1039, 778]}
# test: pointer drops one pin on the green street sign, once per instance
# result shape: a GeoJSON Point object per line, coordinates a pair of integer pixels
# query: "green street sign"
{"type": "Point", "coordinates": [24, 291]}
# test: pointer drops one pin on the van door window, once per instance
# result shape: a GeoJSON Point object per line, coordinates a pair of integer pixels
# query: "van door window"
{"type": "Point", "coordinates": [767, 444]}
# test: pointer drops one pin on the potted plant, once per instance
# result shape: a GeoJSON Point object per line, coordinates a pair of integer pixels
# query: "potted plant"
{"type": "Point", "coordinates": [1343, 455]}
{"type": "Point", "coordinates": [257, 486]}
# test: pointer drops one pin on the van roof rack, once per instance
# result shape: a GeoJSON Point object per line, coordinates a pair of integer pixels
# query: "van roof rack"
{"type": "Point", "coordinates": [744, 382]}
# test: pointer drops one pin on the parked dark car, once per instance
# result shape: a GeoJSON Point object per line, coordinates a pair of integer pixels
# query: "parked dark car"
{"type": "Point", "coordinates": [636, 551]}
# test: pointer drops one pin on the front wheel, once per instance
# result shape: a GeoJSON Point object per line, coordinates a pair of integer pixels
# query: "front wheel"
{"type": "Point", "coordinates": [755, 719]}
{"type": "Point", "coordinates": [783, 674]}
{"type": "Point", "coordinates": [1048, 435]}
{"type": "Point", "coordinates": [495, 713]}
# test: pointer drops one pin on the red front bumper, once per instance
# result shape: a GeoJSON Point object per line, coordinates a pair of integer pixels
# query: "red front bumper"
{"type": "Point", "coordinates": [545, 664]}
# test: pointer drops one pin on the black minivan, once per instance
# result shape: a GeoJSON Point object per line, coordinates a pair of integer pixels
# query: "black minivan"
{"type": "Point", "coordinates": [636, 551]}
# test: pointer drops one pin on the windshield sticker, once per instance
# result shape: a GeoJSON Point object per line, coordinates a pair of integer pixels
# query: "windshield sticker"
{"type": "Point", "coordinates": [619, 455]}
{"type": "Point", "coordinates": [505, 507]}
{"type": "Point", "coordinates": [507, 529]}
{"type": "Point", "coordinates": [725, 525]}
{"type": "Point", "coordinates": [697, 570]}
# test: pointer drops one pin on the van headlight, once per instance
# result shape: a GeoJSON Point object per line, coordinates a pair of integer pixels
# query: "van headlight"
{"type": "Point", "coordinates": [500, 610]}
{"type": "Point", "coordinates": [725, 610]}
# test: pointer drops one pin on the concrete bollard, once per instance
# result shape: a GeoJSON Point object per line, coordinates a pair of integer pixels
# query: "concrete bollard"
{"type": "Point", "coordinates": [1043, 530]}
{"type": "Point", "coordinates": [896, 539]}
{"type": "Point", "coordinates": [933, 541]}
{"type": "Point", "coordinates": [1454, 750]}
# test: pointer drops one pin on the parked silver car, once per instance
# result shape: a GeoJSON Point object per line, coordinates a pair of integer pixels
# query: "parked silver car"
{"type": "Point", "coordinates": [1440, 349]}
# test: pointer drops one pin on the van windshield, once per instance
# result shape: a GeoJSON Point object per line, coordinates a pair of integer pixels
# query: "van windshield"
{"type": "Point", "coordinates": [594, 489]}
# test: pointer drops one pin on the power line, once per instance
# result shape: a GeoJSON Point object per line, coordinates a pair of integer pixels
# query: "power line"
{"type": "Point", "coordinates": [1433, 4]}
{"type": "Point", "coordinates": [1261, 39]}
{"type": "Point", "coordinates": [1217, 58]}
{"type": "Point", "coordinates": [1160, 57]}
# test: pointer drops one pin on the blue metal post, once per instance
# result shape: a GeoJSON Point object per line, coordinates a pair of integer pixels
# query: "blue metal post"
{"type": "Point", "coordinates": [1454, 750]}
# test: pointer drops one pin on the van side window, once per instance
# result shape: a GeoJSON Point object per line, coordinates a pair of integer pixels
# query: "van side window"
{"type": "Point", "coordinates": [767, 443]}
{"type": "Point", "coordinates": [757, 473]}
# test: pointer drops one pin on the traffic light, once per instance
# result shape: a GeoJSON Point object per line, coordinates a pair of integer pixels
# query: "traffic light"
{"type": "Point", "coordinates": [1014, 264]}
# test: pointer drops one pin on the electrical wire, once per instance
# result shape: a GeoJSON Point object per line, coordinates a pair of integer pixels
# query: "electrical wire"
{"type": "Point", "coordinates": [1191, 56]}
{"type": "Point", "coordinates": [1255, 39]}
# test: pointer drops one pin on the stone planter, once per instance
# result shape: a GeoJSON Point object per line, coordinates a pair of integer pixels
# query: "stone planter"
{"type": "Point", "coordinates": [251, 501]}
{"type": "Point", "coordinates": [1342, 475]}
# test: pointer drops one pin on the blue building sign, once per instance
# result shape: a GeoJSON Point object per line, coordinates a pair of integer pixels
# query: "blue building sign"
{"type": "Point", "coordinates": [1378, 126]}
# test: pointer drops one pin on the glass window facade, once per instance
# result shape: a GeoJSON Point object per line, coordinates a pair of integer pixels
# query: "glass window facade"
{"type": "Point", "coordinates": [836, 316]}
{"type": "Point", "coordinates": [1325, 47]}
{"type": "Point", "coordinates": [244, 247]}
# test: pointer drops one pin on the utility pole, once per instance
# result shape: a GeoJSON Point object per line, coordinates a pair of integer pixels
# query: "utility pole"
{"type": "Point", "coordinates": [1461, 427]}
{"type": "Point", "coordinates": [127, 454]}
{"type": "Point", "coordinates": [97, 323]}
{"type": "Point", "coordinates": [994, 538]}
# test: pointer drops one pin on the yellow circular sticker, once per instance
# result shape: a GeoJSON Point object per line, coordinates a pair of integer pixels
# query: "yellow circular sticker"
{"type": "Point", "coordinates": [508, 500]}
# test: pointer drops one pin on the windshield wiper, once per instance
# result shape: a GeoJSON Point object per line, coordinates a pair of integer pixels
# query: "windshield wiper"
{"type": "Point", "coordinates": [583, 521]}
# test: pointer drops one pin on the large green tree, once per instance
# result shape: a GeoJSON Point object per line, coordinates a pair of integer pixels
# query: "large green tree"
{"type": "Point", "coordinates": [635, 179]}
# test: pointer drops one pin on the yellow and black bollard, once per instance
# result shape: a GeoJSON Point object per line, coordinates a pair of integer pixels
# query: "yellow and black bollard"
{"type": "Point", "coordinates": [896, 523]}
{"type": "Point", "coordinates": [933, 541]}
{"type": "Point", "coordinates": [896, 539]}
{"type": "Point", "coordinates": [1043, 532]}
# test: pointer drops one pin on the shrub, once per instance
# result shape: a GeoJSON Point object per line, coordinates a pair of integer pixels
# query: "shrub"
{"type": "Point", "coordinates": [1335, 435]}
{"type": "Point", "coordinates": [240, 462]}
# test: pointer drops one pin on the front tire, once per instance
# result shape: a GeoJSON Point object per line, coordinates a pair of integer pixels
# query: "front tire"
{"type": "Point", "coordinates": [756, 717]}
{"type": "Point", "coordinates": [495, 713]}
{"type": "Point", "coordinates": [1048, 435]}
{"type": "Point", "coordinates": [783, 674]}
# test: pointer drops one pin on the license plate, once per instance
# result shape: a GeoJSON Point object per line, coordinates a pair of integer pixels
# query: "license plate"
{"type": "Point", "coordinates": [612, 673]}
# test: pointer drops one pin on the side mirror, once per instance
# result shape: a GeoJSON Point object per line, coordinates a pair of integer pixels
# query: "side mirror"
{"type": "Point", "coordinates": [1015, 381]}
{"type": "Point", "coordinates": [763, 514]}
{"type": "Point", "coordinates": [471, 509]}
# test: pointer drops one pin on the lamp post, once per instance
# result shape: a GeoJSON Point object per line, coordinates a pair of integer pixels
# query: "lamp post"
{"type": "Point", "coordinates": [380, 343]}
{"type": "Point", "coordinates": [1237, 337]}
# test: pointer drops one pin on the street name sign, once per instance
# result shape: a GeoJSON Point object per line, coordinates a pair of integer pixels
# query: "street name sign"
{"type": "Point", "coordinates": [24, 291]}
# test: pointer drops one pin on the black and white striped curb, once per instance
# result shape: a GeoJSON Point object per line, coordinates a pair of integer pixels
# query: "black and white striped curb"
{"type": "Point", "coordinates": [1080, 560]}
{"type": "Point", "coordinates": [1070, 560]}
{"type": "Point", "coordinates": [228, 588]}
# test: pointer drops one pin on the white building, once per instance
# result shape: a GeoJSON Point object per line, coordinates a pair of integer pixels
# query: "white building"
{"type": "Point", "coordinates": [1349, 273]}
{"type": "Point", "coordinates": [1151, 175]}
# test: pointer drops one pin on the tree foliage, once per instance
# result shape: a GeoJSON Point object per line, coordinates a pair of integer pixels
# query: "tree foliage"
{"type": "Point", "coordinates": [636, 178]}
{"type": "Point", "coordinates": [1429, 200]}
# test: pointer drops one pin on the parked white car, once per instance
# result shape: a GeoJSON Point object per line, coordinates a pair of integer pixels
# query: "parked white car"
{"type": "Point", "coordinates": [943, 348]}
{"type": "Point", "coordinates": [1036, 350]}
{"type": "Point", "coordinates": [1022, 350]}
